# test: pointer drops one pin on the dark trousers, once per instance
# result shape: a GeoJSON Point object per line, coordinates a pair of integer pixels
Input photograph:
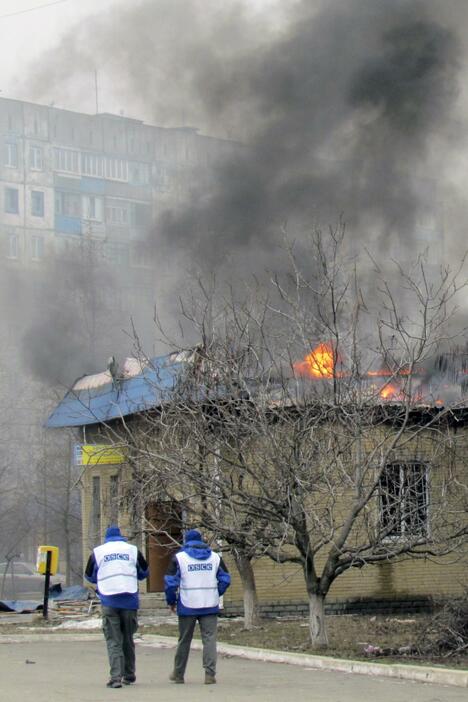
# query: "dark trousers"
{"type": "Point", "coordinates": [119, 625]}
{"type": "Point", "coordinates": [208, 626]}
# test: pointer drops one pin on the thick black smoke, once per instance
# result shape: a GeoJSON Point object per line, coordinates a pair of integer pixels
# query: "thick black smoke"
{"type": "Point", "coordinates": [340, 109]}
{"type": "Point", "coordinates": [347, 106]}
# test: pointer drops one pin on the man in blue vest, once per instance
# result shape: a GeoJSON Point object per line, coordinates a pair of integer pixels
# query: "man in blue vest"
{"type": "Point", "coordinates": [116, 567]}
{"type": "Point", "coordinates": [196, 579]}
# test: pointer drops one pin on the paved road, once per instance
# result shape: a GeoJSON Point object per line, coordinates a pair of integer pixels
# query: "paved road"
{"type": "Point", "coordinates": [75, 671]}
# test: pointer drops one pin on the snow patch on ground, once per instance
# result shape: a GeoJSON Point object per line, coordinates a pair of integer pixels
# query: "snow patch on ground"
{"type": "Point", "coordinates": [91, 623]}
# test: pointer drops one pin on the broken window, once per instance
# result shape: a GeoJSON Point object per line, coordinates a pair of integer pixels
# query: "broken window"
{"type": "Point", "coordinates": [403, 497]}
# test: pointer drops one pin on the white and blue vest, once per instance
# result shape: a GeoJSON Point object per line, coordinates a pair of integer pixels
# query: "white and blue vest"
{"type": "Point", "coordinates": [198, 587]}
{"type": "Point", "coordinates": [117, 567]}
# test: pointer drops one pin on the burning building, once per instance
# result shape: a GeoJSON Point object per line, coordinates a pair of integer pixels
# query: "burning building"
{"type": "Point", "coordinates": [441, 382]}
{"type": "Point", "coordinates": [411, 456]}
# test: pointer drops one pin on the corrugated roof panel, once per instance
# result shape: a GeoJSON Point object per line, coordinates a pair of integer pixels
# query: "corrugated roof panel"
{"type": "Point", "coordinates": [120, 398]}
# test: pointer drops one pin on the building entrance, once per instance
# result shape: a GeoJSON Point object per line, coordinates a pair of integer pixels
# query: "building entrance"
{"type": "Point", "coordinates": [164, 537]}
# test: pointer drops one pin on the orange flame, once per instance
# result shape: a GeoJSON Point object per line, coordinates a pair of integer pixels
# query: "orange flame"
{"type": "Point", "coordinates": [319, 363]}
{"type": "Point", "coordinates": [389, 392]}
{"type": "Point", "coordinates": [386, 373]}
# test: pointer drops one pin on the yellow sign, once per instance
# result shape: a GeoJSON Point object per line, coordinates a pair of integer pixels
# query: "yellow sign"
{"type": "Point", "coordinates": [98, 454]}
{"type": "Point", "coordinates": [41, 563]}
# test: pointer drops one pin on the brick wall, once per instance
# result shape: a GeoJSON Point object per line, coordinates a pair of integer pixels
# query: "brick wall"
{"type": "Point", "coordinates": [282, 585]}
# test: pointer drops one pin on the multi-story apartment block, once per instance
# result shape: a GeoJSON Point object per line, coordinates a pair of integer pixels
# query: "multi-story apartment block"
{"type": "Point", "coordinates": [66, 175]}
{"type": "Point", "coordinates": [79, 195]}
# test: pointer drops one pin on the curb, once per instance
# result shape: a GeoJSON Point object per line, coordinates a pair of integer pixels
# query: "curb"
{"type": "Point", "coordinates": [416, 673]}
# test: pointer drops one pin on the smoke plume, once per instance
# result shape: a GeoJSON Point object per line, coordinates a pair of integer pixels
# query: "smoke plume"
{"type": "Point", "coordinates": [339, 109]}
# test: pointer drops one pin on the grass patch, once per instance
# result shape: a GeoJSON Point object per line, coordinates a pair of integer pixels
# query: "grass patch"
{"type": "Point", "coordinates": [348, 636]}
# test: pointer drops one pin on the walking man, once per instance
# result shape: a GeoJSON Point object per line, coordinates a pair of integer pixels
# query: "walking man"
{"type": "Point", "coordinates": [116, 566]}
{"type": "Point", "coordinates": [196, 578]}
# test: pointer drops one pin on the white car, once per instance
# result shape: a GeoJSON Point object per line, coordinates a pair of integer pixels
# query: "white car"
{"type": "Point", "coordinates": [21, 581]}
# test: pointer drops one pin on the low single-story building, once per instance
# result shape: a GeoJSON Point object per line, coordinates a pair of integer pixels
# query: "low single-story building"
{"type": "Point", "coordinates": [102, 407]}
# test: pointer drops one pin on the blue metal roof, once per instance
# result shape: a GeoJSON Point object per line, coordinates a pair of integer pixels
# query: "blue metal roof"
{"type": "Point", "coordinates": [114, 399]}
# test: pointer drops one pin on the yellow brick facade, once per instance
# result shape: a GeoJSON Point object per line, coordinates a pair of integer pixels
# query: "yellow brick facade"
{"type": "Point", "coordinates": [390, 580]}
{"type": "Point", "coordinates": [282, 583]}
{"type": "Point", "coordinates": [111, 506]}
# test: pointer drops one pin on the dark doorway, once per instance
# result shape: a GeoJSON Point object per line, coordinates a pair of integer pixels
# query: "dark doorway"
{"type": "Point", "coordinates": [164, 536]}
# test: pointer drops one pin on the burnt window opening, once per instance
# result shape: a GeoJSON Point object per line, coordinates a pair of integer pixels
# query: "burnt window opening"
{"type": "Point", "coordinates": [403, 500]}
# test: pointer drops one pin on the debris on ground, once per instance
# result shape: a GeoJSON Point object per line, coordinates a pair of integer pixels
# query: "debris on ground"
{"type": "Point", "coordinates": [446, 634]}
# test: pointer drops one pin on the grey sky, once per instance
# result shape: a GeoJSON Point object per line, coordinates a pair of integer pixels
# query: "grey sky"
{"type": "Point", "coordinates": [25, 37]}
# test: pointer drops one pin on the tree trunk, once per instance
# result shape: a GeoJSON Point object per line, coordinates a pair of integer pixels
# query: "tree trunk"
{"type": "Point", "coordinates": [251, 610]}
{"type": "Point", "coordinates": [317, 626]}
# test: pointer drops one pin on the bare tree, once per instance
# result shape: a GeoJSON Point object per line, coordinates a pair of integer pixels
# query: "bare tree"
{"type": "Point", "coordinates": [55, 494]}
{"type": "Point", "coordinates": [309, 427]}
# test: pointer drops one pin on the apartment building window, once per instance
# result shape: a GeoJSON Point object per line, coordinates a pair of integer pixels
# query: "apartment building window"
{"type": "Point", "coordinates": [117, 253]}
{"type": "Point", "coordinates": [117, 213]}
{"type": "Point", "coordinates": [162, 178]}
{"type": "Point", "coordinates": [11, 201]}
{"type": "Point", "coordinates": [403, 497]}
{"type": "Point", "coordinates": [37, 248]}
{"type": "Point", "coordinates": [116, 169]}
{"type": "Point", "coordinates": [104, 167]}
{"type": "Point", "coordinates": [11, 155]}
{"type": "Point", "coordinates": [92, 208]}
{"type": "Point", "coordinates": [67, 204]}
{"type": "Point", "coordinates": [66, 160]}
{"type": "Point", "coordinates": [35, 158]}
{"type": "Point", "coordinates": [92, 165]}
{"type": "Point", "coordinates": [37, 203]}
{"type": "Point", "coordinates": [139, 173]}
{"type": "Point", "coordinates": [13, 246]}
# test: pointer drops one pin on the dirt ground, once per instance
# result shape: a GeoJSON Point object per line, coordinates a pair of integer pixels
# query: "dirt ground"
{"type": "Point", "coordinates": [348, 636]}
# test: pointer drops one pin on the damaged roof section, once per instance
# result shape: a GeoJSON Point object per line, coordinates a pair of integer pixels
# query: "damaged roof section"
{"type": "Point", "coordinates": [144, 384]}
{"type": "Point", "coordinates": [102, 397]}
